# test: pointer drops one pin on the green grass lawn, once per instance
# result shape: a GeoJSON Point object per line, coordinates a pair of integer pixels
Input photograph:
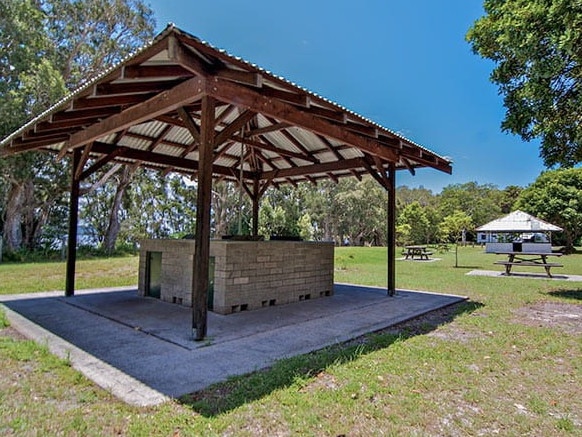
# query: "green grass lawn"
{"type": "Point", "coordinates": [491, 368]}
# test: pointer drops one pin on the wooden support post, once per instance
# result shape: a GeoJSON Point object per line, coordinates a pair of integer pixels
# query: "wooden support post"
{"type": "Point", "coordinates": [202, 251]}
{"type": "Point", "coordinates": [256, 201]}
{"type": "Point", "coordinates": [73, 221]}
{"type": "Point", "coordinates": [391, 234]}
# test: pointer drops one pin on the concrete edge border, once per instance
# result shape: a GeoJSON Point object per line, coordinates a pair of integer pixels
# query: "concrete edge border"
{"type": "Point", "coordinates": [408, 290]}
{"type": "Point", "coordinates": [119, 384]}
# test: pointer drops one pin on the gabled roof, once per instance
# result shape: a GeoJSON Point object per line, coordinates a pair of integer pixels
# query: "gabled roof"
{"type": "Point", "coordinates": [146, 111]}
{"type": "Point", "coordinates": [518, 221]}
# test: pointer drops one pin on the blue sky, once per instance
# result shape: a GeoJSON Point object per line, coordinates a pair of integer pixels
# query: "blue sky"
{"type": "Point", "coordinates": [402, 63]}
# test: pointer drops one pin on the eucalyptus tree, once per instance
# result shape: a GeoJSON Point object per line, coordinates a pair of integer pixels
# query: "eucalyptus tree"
{"type": "Point", "coordinates": [479, 202]}
{"type": "Point", "coordinates": [361, 211]}
{"type": "Point", "coordinates": [46, 48]}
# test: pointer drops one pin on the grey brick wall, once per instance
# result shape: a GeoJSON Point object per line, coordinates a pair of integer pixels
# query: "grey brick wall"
{"type": "Point", "coordinates": [248, 274]}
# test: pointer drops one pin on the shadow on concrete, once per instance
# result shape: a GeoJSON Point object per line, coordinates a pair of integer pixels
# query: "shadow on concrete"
{"type": "Point", "coordinates": [236, 391]}
{"type": "Point", "coordinates": [141, 349]}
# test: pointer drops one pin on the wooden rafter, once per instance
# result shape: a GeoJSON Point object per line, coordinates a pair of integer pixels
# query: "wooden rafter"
{"type": "Point", "coordinates": [160, 104]}
{"type": "Point", "coordinates": [300, 146]}
{"type": "Point", "coordinates": [267, 129]}
{"type": "Point", "coordinates": [239, 95]}
{"type": "Point", "coordinates": [236, 125]}
{"type": "Point", "coordinates": [190, 124]}
{"type": "Point", "coordinates": [265, 144]}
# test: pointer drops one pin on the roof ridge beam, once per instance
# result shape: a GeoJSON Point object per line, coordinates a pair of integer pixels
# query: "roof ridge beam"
{"type": "Point", "coordinates": [183, 56]}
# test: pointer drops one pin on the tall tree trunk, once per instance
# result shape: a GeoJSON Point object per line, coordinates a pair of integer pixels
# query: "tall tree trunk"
{"type": "Point", "coordinates": [29, 219]}
{"type": "Point", "coordinates": [219, 208]}
{"type": "Point", "coordinates": [13, 220]}
{"type": "Point", "coordinates": [114, 225]}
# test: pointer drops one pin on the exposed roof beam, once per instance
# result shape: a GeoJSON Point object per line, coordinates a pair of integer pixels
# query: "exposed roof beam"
{"type": "Point", "coordinates": [381, 171]}
{"type": "Point", "coordinates": [244, 97]}
{"type": "Point", "coordinates": [46, 126]}
{"type": "Point", "coordinates": [100, 163]}
{"type": "Point", "coordinates": [184, 56]}
{"type": "Point", "coordinates": [300, 146]}
{"type": "Point", "coordinates": [82, 114]}
{"type": "Point", "coordinates": [84, 158]}
{"type": "Point", "coordinates": [149, 71]}
{"type": "Point", "coordinates": [271, 148]}
{"type": "Point", "coordinates": [158, 158]}
{"type": "Point", "coordinates": [226, 133]}
{"type": "Point", "coordinates": [24, 146]}
{"type": "Point", "coordinates": [160, 138]}
{"type": "Point", "coordinates": [409, 166]}
{"type": "Point", "coordinates": [160, 104]}
{"type": "Point", "coordinates": [246, 77]}
{"type": "Point", "coordinates": [107, 89]}
{"type": "Point", "coordinates": [312, 169]}
{"type": "Point", "coordinates": [108, 101]}
{"type": "Point", "coordinates": [190, 124]}
{"type": "Point", "coordinates": [375, 174]}
{"type": "Point", "coordinates": [295, 98]}
{"type": "Point", "coordinates": [330, 147]}
{"type": "Point", "coordinates": [267, 129]}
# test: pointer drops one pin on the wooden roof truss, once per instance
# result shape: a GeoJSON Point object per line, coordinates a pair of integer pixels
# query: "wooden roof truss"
{"type": "Point", "coordinates": [147, 111]}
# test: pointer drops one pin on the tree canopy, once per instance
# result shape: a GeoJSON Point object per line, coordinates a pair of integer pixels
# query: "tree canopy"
{"type": "Point", "coordinates": [46, 48]}
{"type": "Point", "coordinates": [556, 196]}
{"type": "Point", "coordinates": [535, 45]}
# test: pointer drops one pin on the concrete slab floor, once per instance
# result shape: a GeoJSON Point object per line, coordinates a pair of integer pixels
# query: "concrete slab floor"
{"type": "Point", "coordinates": [141, 349]}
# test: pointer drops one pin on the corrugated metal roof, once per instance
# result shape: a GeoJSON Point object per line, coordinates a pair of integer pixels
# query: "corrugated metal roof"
{"type": "Point", "coordinates": [276, 144]}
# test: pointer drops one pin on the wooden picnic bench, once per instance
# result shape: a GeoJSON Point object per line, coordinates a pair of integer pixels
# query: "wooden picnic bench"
{"type": "Point", "coordinates": [416, 251]}
{"type": "Point", "coordinates": [528, 259]}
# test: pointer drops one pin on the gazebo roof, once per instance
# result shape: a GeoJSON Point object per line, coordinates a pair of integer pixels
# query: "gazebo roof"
{"type": "Point", "coordinates": [146, 110]}
{"type": "Point", "coordinates": [518, 221]}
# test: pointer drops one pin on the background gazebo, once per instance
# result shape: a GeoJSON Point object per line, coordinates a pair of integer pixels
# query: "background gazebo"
{"type": "Point", "coordinates": [517, 230]}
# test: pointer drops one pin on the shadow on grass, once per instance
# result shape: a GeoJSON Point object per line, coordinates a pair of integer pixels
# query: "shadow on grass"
{"type": "Point", "coordinates": [239, 390]}
{"type": "Point", "coordinates": [468, 267]}
{"type": "Point", "coordinates": [567, 294]}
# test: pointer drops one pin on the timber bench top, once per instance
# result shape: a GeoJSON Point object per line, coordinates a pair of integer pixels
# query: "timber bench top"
{"type": "Point", "coordinates": [527, 263]}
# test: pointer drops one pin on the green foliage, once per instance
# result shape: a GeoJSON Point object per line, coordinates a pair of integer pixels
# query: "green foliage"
{"type": "Point", "coordinates": [403, 232]}
{"type": "Point", "coordinates": [3, 320]}
{"type": "Point", "coordinates": [46, 47]}
{"type": "Point", "coordinates": [418, 228]}
{"type": "Point", "coordinates": [479, 202]}
{"type": "Point", "coordinates": [508, 198]}
{"type": "Point", "coordinates": [275, 221]}
{"type": "Point", "coordinates": [305, 227]}
{"type": "Point", "coordinates": [361, 211]}
{"type": "Point", "coordinates": [535, 45]}
{"type": "Point", "coordinates": [111, 29]}
{"type": "Point", "coordinates": [556, 196]}
{"type": "Point", "coordinates": [453, 225]}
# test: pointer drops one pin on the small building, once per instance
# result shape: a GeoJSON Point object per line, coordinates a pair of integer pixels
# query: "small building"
{"type": "Point", "coordinates": [244, 275]}
{"type": "Point", "coordinates": [518, 232]}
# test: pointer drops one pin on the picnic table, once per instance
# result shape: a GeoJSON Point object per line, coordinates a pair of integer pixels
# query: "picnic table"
{"type": "Point", "coordinates": [530, 259]}
{"type": "Point", "coordinates": [419, 252]}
